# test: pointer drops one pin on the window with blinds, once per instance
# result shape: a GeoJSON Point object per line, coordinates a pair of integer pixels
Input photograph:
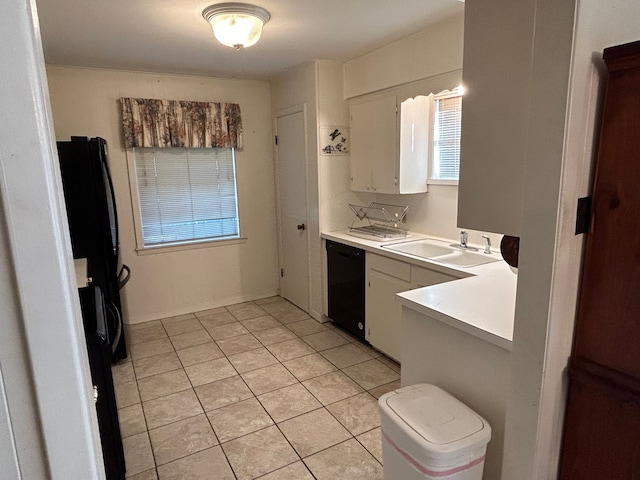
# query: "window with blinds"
{"type": "Point", "coordinates": [186, 194]}
{"type": "Point", "coordinates": [445, 161]}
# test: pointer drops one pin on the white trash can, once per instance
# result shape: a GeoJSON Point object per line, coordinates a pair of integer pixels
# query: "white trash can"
{"type": "Point", "coordinates": [429, 434]}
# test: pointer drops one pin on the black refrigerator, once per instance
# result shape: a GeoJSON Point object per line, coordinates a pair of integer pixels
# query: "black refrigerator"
{"type": "Point", "coordinates": [93, 224]}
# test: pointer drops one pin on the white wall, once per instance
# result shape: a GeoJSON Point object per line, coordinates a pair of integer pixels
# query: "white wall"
{"type": "Point", "coordinates": [333, 171]}
{"type": "Point", "coordinates": [543, 162]}
{"type": "Point", "coordinates": [85, 103]}
{"type": "Point", "coordinates": [541, 366]}
{"type": "Point", "coordinates": [472, 370]}
{"type": "Point", "coordinates": [20, 436]}
{"type": "Point", "coordinates": [435, 50]}
{"type": "Point", "coordinates": [334, 189]}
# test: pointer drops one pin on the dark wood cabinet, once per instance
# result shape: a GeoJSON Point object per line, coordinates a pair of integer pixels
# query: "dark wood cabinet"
{"type": "Point", "coordinates": [602, 425]}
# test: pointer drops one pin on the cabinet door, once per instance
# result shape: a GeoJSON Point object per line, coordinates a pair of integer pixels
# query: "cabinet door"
{"type": "Point", "coordinates": [414, 144]}
{"type": "Point", "coordinates": [383, 313]}
{"type": "Point", "coordinates": [374, 157]}
{"type": "Point", "coordinates": [359, 163]}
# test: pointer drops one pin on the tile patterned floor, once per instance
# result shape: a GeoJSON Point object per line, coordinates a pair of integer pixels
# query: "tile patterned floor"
{"type": "Point", "coordinates": [254, 390]}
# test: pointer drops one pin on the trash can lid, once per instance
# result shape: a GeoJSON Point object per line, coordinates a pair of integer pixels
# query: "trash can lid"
{"type": "Point", "coordinates": [432, 413]}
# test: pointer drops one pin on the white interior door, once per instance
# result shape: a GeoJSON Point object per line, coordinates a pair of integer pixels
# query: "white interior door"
{"type": "Point", "coordinates": [292, 193]}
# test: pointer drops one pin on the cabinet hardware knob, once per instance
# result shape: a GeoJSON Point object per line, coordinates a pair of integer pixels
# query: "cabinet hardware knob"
{"type": "Point", "coordinates": [301, 226]}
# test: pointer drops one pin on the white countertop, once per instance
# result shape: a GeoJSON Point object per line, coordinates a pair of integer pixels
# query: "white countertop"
{"type": "Point", "coordinates": [481, 303]}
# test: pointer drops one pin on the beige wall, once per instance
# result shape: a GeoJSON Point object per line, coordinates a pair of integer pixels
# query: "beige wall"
{"type": "Point", "coordinates": [84, 103]}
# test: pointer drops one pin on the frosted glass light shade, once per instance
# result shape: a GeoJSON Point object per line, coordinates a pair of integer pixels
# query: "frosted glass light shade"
{"type": "Point", "coordinates": [236, 25]}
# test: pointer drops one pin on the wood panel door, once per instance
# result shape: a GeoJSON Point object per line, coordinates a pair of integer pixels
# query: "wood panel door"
{"type": "Point", "coordinates": [602, 425]}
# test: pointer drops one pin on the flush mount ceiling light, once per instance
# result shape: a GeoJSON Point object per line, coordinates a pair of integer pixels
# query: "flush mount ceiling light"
{"type": "Point", "coordinates": [237, 25]}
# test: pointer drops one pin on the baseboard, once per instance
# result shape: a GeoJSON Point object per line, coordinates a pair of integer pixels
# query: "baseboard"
{"type": "Point", "coordinates": [199, 307]}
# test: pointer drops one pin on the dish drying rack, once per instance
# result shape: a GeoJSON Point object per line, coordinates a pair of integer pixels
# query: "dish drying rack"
{"type": "Point", "coordinates": [379, 220]}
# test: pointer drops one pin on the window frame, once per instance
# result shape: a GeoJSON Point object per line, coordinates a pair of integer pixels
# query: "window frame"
{"type": "Point", "coordinates": [443, 95]}
{"type": "Point", "coordinates": [142, 249]}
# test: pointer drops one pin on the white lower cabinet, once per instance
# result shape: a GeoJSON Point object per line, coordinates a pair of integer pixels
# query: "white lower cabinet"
{"type": "Point", "coordinates": [383, 313]}
{"type": "Point", "coordinates": [385, 278]}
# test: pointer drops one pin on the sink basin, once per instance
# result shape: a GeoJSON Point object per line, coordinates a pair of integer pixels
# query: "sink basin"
{"type": "Point", "coordinates": [467, 259]}
{"type": "Point", "coordinates": [440, 251]}
{"type": "Point", "coordinates": [421, 248]}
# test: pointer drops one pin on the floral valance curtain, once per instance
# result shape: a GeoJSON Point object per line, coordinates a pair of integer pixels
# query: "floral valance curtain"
{"type": "Point", "coordinates": [148, 122]}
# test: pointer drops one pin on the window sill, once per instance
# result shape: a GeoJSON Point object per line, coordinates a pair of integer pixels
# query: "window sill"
{"type": "Point", "coordinates": [189, 246]}
{"type": "Point", "coordinates": [443, 182]}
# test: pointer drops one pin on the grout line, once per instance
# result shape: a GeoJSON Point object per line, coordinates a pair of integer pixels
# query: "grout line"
{"type": "Point", "coordinates": [355, 341]}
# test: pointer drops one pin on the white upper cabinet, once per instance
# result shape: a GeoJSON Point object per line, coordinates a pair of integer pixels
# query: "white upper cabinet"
{"type": "Point", "coordinates": [415, 142]}
{"type": "Point", "coordinates": [374, 145]}
{"type": "Point", "coordinates": [379, 162]}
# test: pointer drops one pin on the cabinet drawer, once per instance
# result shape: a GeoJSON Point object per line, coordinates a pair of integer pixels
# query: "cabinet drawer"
{"type": "Point", "coordinates": [393, 268]}
{"type": "Point", "coordinates": [423, 277]}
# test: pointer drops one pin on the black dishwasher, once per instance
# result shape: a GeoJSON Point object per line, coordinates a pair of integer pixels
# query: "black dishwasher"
{"type": "Point", "coordinates": [345, 278]}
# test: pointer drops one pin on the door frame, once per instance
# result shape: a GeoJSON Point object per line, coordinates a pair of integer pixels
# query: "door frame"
{"type": "Point", "coordinates": [299, 108]}
{"type": "Point", "coordinates": [45, 374]}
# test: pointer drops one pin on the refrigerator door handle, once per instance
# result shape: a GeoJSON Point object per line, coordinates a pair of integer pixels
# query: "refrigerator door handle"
{"type": "Point", "coordinates": [123, 281]}
{"type": "Point", "coordinates": [115, 314]}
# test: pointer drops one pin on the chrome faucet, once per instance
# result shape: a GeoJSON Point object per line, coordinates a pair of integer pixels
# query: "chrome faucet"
{"type": "Point", "coordinates": [464, 239]}
{"type": "Point", "coordinates": [487, 244]}
{"type": "Point", "coordinates": [464, 242]}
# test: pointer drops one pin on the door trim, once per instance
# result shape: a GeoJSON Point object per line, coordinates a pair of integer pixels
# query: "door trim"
{"type": "Point", "coordinates": [45, 371]}
{"type": "Point", "coordinates": [299, 108]}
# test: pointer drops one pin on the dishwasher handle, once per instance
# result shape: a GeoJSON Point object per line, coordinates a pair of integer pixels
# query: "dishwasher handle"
{"type": "Point", "coordinates": [348, 253]}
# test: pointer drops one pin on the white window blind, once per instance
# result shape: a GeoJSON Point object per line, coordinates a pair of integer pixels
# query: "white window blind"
{"type": "Point", "coordinates": [446, 134]}
{"type": "Point", "coordinates": [186, 195]}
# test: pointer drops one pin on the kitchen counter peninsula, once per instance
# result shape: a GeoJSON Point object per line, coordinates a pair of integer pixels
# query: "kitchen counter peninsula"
{"type": "Point", "coordinates": [456, 333]}
{"type": "Point", "coordinates": [480, 302]}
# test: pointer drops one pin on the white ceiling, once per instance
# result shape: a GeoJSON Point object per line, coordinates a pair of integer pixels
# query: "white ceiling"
{"type": "Point", "coordinates": [171, 36]}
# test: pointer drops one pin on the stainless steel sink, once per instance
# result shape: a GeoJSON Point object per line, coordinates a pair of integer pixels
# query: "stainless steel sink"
{"type": "Point", "coordinates": [442, 252]}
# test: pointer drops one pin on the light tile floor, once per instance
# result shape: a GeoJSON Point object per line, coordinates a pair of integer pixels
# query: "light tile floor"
{"type": "Point", "coordinates": [254, 390]}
